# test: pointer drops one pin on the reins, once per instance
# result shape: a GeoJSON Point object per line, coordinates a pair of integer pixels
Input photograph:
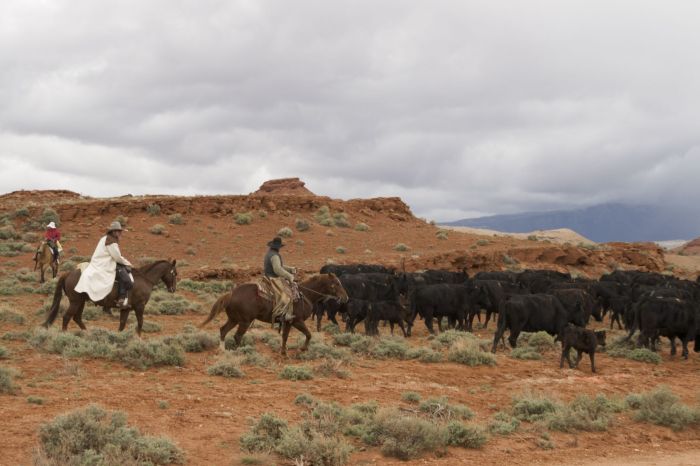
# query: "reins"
{"type": "Point", "coordinates": [318, 293]}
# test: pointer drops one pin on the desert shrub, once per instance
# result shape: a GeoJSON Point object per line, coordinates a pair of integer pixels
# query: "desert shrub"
{"type": "Point", "coordinates": [122, 220]}
{"type": "Point", "coordinates": [424, 355]}
{"type": "Point", "coordinates": [401, 247]}
{"type": "Point", "coordinates": [448, 337]}
{"type": "Point", "coordinates": [644, 355]}
{"type": "Point", "coordinates": [302, 224]}
{"type": "Point", "coordinates": [165, 303]}
{"type": "Point", "coordinates": [532, 237]}
{"type": "Point", "coordinates": [320, 350]}
{"type": "Point", "coordinates": [94, 436]}
{"type": "Point", "coordinates": [304, 399]}
{"type": "Point", "coordinates": [17, 336]}
{"type": "Point", "coordinates": [545, 442]}
{"type": "Point", "coordinates": [331, 368]}
{"type": "Point", "coordinates": [296, 373]}
{"type": "Point", "coordinates": [141, 354]}
{"type": "Point", "coordinates": [262, 213]}
{"type": "Point", "coordinates": [264, 435]}
{"type": "Point", "coordinates": [243, 218]}
{"type": "Point", "coordinates": [340, 219]}
{"type": "Point", "coordinates": [357, 343]}
{"type": "Point", "coordinates": [7, 384]}
{"type": "Point", "coordinates": [411, 397]}
{"type": "Point", "coordinates": [314, 448]}
{"type": "Point", "coordinates": [285, 232]}
{"type": "Point", "coordinates": [67, 266]}
{"type": "Point", "coordinates": [541, 341]}
{"type": "Point", "coordinates": [21, 212]}
{"type": "Point", "coordinates": [503, 424]}
{"type": "Point", "coordinates": [10, 286]}
{"type": "Point", "coordinates": [633, 401]}
{"type": "Point", "coordinates": [204, 287]}
{"type": "Point", "coordinates": [584, 413]}
{"type": "Point", "coordinates": [482, 242]}
{"type": "Point", "coordinates": [47, 216]}
{"type": "Point", "coordinates": [469, 353]}
{"type": "Point", "coordinates": [395, 348]}
{"type": "Point", "coordinates": [442, 235]}
{"type": "Point", "coordinates": [403, 436]}
{"type": "Point", "coordinates": [150, 327]}
{"type": "Point", "coordinates": [532, 408]}
{"type": "Point", "coordinates": [176, 219]}
{"type": "Point", "coordinates": [12, 249]}
{"type": "Point", "coordinates": [226, 367]}
{"type": "Point", "coordinates": [441, 410]}
{"type": "Point", "coordinates": [662, 407]}
{"type": "Point", "coordinates": [30, 237]}
{"type": "Point", "coordinates": [340, 250]}
{"type": "Point", "coordinates": [26, 275]}
{"type": "Point", "coordinates": [191, 251]}
{"type": "Point", "coordinates": [8, 232]}
{"type": "Point", "coordinates": [525, 352]}
{"type": "Point", "coordinates": [509, 260]}
{"type": "Point", "coordinates": [361, 227]}
{"type": "Point", "coordinates": [35, 400]}
{"type": "Point", "coordinates": [194, 342]}
{"type": "Point", "coordinates": [4, 353]}
{"type": "Point", "coordinates": [153, 210]}
{"type": "Point", "coordinates": [461, 435]}
{"type": "Point", "coordinates": [157, 229]}
{"type": "Point", "coordinates": [11, 317]}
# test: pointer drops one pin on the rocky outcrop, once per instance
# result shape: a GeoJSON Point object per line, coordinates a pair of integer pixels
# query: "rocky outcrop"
{"type": "Point", "coordinates": [283, 187]}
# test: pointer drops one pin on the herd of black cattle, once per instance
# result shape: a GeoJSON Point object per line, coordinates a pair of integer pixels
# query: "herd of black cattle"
{"type": "Point", "coordinates": [530, 301]}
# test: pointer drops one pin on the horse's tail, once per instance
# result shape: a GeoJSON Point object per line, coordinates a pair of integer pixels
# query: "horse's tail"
{"type": "Point", "coordinates": [218, 306]}
{"type": "Point", "coordinates": [57, 295]}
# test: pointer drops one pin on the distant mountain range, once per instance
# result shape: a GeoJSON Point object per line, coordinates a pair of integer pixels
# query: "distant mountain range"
{"type": "Point", "coordinates": [600, 223]}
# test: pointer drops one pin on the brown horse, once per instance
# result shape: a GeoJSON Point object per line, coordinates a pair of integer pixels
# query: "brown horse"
{"type": "Point", "coordinates": [44, 257]}
{"type": "Point", "coordinates": [145, 278]}
{"type": "Point", "coordinates": [244, 304]}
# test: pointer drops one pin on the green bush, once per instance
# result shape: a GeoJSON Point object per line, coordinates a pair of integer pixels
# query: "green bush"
{"type": "Point", "coordinates": [662, 407]}
{"type": "Point", "coordinates": [404, 437]}
{"type": "Point", "coordinates": [226, 367]}
{"type": "Point", "coordinates": [644, 355]}
{"type": "Point", "coordinates": [461, 435]}
{"type": "Point", "coordinates": [440, 409]}
{"type": "Point", "coordinates": [361, 227]}
{"type": "Point", "coordinates": [264, 435]}
{"type": "Point", "coordinates": [401, 247]}
{"type": "Point", "coordinates": [503, 424]}
{"type": "Point", "coordinates": [340, 219]}
{"type": "Point", "coordinates": [157, 229]}
{"type": "Point", "coordinates": [194, 342]}
{"type": "Point", "coordinates": [302, 224]}
{"type": "Point", "coordinates": [340, 250]}
{"type": "Point", "coordinates": [11, 317]}
{"type": "Point", "coordinates": [304, 399]}
{"type": "Point", "coordinates": [424, 355]}
{"type": "Point", "coordinates": [164, 303]}
{"type": "Point", "coordinates": [584, 413]}
{"type": "Point", "coordinates": [411, 397]}
{"type": "Point", "coordinates": [311, 447]}
{"type": "Point", "coordinates": [35, 400]}
{"type": "Point", "coordinates": [153, 210]}
{"type": "Point", "coordinates": [243, 218]}
{"type": "Point", "coordinates": [7, 384]}
{"type": "Point", "coordinates": [296, 373]}
{"type": "Point", "coordinates": [141, 354]}
{"type": "Point", "coordinates": [151, 327]}
{"type": "Point", "coordinates": [525, 352]}
{"type": "Point", "coordinates": [285, 232]}
{"type": "Point", "coordinates": [633, 401]}
{"type": "Point", "coordinates": [21, 212]}
{"type": "Point", "coordinates": [176, 219]}
{"type": "Point", "coordinates": [94, 436]}
{"type": "Point", "coordinates": [541, 341]}
{"type": "Point", "coordinates": [469, 353]}
{"type": "Point", "coordinates": [8, 232]}
{"type": "Point", "coordinates": [12, 249]}
{"type": "Point", "coordinates": [4, 353]}
{"type": "Point", "coordinates": [395, 348]}
{"type": "Point", "coordinates": [47, 216]}
{"type": "Point", "coordinates": [533, 408]}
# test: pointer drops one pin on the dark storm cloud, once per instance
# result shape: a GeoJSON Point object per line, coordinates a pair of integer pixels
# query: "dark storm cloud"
{"type": "Point", "coordinates": [460, 107]}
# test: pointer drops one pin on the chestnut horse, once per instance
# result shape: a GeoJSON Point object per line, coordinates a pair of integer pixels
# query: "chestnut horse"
{"type": "Point", "coordinates": [244, 304]}
{"type": "Point", "coordinates": [145, 278]}
{"type": "Point", "coordinates": [44, 257]}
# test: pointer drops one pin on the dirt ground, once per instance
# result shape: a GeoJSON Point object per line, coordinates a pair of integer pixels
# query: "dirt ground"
{"type": "Point", "coordinates": [206, 415]}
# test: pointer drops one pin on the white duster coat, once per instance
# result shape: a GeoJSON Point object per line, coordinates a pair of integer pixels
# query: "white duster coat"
{"type": "Point", "coordinates": [97, 279]}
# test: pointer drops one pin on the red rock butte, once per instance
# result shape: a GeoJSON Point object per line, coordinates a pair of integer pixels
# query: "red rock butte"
{"type": "Point", "coordinates": [283, 187]}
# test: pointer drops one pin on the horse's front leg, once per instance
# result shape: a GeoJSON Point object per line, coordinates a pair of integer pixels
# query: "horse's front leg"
{"type": "Point", "coordinates": [139, 320]}
{"type": "Point", "coordinates": [123, 316]}
{"type": "Point", "coordinates": [285, 334]}
{"type": "Point", "coordinates": [301, 326]}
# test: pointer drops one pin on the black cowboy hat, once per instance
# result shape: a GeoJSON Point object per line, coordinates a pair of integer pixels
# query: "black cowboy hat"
{"type": "Point", "coordinates": [276, 243]}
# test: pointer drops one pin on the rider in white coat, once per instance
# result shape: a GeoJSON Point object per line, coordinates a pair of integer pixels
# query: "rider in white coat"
{"type": "Point", "coordinates": [97, 279]}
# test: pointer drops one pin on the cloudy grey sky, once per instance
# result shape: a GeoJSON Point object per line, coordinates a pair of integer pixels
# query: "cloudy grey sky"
{"type": "Point", "coordinates": [462, 108]}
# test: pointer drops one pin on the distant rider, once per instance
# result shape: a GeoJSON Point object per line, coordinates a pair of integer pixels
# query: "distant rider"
{"type": "Point", "coordinates": [52, 237]}
{"type": "Point", "coordinates": [282, 281]}
{"type": "Point", "coordinates": [107, 262]}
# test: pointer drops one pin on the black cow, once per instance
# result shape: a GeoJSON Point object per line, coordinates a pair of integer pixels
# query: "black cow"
{"type": "Point", "coordinates": [330, 307]}
{"type": "Point", "coordinates": [357, 311]}
{"type": "Point", "coordinates": [489, 295]}
{"type": "Point", "coordinates": [583, 341]}
{"type": "Point", "coordinates": [669, 317]}
{"type": "Point", "coordinates": [354, 269]}
{"type": "Point", "coordinates": [579, 299]}
{"type": "Point", "coordinates": [388, 311]}
{"type": "Point", "coordinates": [532, 313]}
{"type": "Point", "coordinates": [441, 300]}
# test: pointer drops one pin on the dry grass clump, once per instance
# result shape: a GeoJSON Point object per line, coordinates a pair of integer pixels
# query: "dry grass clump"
{"type": "Point", "coordinates": [153, 210]}
{"type": "Point", "coordinates": [296, 373]}
{"type": "Point", "coordinates": [285, 232]}
{"type": "Point", "coordinates": [302, 224]}
{"type": "Point", "coordinates": [227, 366]}
{"type": "Point", "coordinates": [243, 218]}
{"type": "Point", "coordinates": [176, 219]}
{"type": "Point", "coordinates": [7, 383]}
{"type": "Point", "coordinates": [157, 229]}
{"type": "Point", "coordinates": [469, 352]}
{"type": "Point", "coordinates": [93, 435]}
{"type": "Point", "coordinates": [662, 407]}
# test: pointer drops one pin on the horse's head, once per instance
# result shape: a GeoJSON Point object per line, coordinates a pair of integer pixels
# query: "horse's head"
{"type": "Point", "coordinates": [335, 288]}
{"type": "Point", "coordinates": [169, 277]}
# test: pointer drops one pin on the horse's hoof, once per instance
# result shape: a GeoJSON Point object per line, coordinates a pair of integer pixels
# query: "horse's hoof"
{"type": "Point", "coordinates": [222, 346]}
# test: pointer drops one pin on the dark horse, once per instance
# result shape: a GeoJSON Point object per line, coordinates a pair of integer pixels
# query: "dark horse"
{"type": "Point", "coordinates": [243, 305]}
{"type": "Point", "coordinates": [145, 278]}
{"type": "Point", "coordinates": [44, 257]}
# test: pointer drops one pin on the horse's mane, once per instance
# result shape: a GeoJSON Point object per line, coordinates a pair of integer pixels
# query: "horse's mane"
{"type": "Point", "coordinates": [147, 268]}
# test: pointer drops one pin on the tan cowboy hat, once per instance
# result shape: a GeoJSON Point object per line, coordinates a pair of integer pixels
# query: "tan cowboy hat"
{"type": "Point", "coordinates": [115, 226]}
{"type": "Point", "coordinates": [51, 225]}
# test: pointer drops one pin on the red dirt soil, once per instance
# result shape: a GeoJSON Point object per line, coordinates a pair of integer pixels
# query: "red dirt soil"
{"type": "Point", "coordinates": [207, 414]}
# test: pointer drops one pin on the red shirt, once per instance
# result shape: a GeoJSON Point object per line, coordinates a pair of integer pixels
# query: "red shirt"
{"type": "Point", "coordinates": [53, 234]}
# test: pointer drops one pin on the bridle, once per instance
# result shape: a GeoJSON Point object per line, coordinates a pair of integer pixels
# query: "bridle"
{"type": "Point", "coordinates": [319, 293]}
